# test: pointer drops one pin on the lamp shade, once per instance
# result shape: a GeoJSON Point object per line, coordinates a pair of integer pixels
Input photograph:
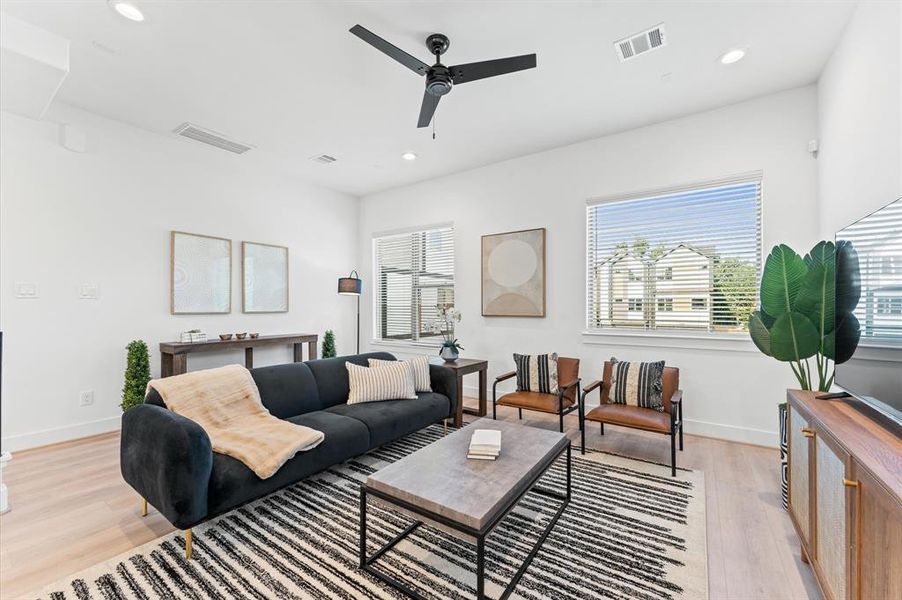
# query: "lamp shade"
{"type": "Point", "coordinates": [351, 285]}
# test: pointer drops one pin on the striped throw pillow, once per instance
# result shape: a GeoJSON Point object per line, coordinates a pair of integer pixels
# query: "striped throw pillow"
{"type": "Point", "coordinates": [391, 382]}
{"type": "Point", "coordinates": [536, 373]}
{"type": "Point", "coordinates": [420, 365]}
{"type": "Point", "coordinates": [637, 384]}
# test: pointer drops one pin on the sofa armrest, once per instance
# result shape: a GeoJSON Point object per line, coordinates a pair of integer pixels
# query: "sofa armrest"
{"type": "Point", "coordinates": [444, 381]}
{"type": "Point", "coordinates": [167, 459]}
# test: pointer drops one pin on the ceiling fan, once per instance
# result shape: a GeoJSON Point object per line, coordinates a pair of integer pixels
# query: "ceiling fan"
{"type": "Point", "coordinates": [439, 78]}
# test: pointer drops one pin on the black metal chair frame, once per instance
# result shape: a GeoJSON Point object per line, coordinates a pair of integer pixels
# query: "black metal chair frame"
{"type": "Point", "coordinates": [561, 411]}
{"type": "Point", "coordinates": [676, 421]}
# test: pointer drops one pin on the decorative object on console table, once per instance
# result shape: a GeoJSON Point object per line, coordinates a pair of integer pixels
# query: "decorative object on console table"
{"type": "Point", "coordinates": [264, 273]}
{"type": "Point", "coordinates": [137, 374]}
{"type": "Point", "coordinates": [513, 274]}
{"type": "Point", "coordinates": [329, 344]}
{"type": "Point", "coordinates": [444, 325]}
{"type": "Point", "coordinates": [174, 355]}
{"type": "Point", "coordinates": [200, 274]}
{"type": "Point", "coordinates": [352, 285]}
{"type": "Point", "coordinates": [467, 366]}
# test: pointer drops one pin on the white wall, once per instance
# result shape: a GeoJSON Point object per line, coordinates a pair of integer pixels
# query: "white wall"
{"type": "Point", "coordinates": [860, 118]}
{"type": "Point", "coordinates": [731, 390]}
{"type": "Point", "coordinates": [104, 217]}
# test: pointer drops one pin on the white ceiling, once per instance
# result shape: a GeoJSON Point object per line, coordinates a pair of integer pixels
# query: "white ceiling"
{"type": "Point", "coordinates": [288, 78]}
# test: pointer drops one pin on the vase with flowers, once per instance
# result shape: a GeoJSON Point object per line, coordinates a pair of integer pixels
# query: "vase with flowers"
{"type": "Point", "coordinates": [444, 325]}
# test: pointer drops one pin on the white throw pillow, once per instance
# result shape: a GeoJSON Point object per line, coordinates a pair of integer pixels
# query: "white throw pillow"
{"type": "Point", "coordinates": [391, 382]}
{"type": "Point", "coordinates": [419, 365]}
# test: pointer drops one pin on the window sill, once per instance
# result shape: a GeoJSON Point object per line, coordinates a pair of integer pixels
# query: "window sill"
{"type": "Point", "coordinates": [728, 342]}
{"type": "Point", "coordinates": [405, 344]}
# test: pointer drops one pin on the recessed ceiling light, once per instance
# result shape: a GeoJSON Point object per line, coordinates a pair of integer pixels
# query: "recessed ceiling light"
{"type": "Point", "coordinates": [731, 56]}
{"type": "Point", "coordinates": [409, 156]}
{"type": "Point", "coordinates": [127, 10]}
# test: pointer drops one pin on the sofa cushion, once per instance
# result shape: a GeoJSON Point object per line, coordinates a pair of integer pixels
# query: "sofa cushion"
{"type": "Point", "coordinates": [287, 390]}
{"type": "Point", "coordinates": [391, 419]}
{"type": "Point", "coordinates": [233, 484]}
{"type": "Point", "coordinates": [332, 376]}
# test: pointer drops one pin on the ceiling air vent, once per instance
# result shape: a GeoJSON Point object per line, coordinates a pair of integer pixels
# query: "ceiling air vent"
{"type": "Point", "coordinates": [640, 43]}
{"type": "Point", "coordinates": [324, 159]}
{"type": "Point", "coordinates": [210, 137]}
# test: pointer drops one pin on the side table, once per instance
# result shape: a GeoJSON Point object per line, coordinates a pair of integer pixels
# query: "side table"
{"type": "Point", "coordinates": [466, 366]}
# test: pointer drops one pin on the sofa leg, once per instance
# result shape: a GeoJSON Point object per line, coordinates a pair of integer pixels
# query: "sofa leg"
{"type": "Point", "coordinates": [143, 507]}
{"type": "Point", "coordinates": [445, 425]}
{"type": "Point", "coordinates": [188, 547]}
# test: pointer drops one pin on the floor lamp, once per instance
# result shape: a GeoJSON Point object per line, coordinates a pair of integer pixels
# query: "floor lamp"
{"type": "Point", "coordinates": [352, 286]}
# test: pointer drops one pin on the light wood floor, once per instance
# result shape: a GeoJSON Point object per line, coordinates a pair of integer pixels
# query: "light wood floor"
{"type": "Point", "coordinates": [71, 509]}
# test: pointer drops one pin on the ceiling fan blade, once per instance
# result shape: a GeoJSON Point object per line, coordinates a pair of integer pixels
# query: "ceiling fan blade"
{"type": "Point", "coordinates": [411, 62]}
{"type": "Point", "coordinates": [490, 68]}
{"type": "Point", "coordinates": [427, 109]}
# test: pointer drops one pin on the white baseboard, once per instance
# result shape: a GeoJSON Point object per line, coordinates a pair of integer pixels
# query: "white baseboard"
{"type": "Point", "coordinates": [24, 441]}
{"type": "Point", "coordinates": [732, 433]}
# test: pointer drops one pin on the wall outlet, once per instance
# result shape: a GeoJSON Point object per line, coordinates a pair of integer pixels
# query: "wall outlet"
{"type": "Point", "coordinates": [86, 398]}
{"type": "Point", "coordinates": [89, 291]}
{"type": "Point", "coordinates": [26, 289]}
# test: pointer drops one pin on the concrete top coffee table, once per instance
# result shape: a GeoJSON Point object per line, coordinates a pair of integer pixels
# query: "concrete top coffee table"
{"type": "Point", "coordinates": [440, 486]}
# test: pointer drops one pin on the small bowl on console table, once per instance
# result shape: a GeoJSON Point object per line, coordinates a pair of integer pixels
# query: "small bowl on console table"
{"type": "Point", "coordinates": [254, 336]}
{"type": "Point", "coordinates": [225, 336]}
{"type": "Point", "coordinates": [240, 336]}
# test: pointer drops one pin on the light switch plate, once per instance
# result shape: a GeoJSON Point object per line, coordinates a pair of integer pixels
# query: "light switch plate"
{"type": "Point", "coordinates": [89, 291]}
{"type": "Point", "coordinates": [26, 290]}
{"type": "Point", "coordinates": [86, 398]}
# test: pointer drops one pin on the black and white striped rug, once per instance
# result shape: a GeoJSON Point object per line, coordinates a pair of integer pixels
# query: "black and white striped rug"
{"type": "Point", "coordinates": [631, 531]}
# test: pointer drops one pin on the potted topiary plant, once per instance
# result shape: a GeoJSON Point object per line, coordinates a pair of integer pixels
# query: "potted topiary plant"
{"type": "Point", "coordinates": [329, 344]}
{"type": "Point", "coordinates": [805, 306]}
{"type": "Point", "coordinates": [137, 375]}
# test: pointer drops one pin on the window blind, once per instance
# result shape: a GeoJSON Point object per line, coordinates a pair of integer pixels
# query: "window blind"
{"type": "Point", "coordinates": [877, 242]}
{"type": "Point", "coordinates": [415, 281]}
{"type": "Point", "coordinates": [686, 258]}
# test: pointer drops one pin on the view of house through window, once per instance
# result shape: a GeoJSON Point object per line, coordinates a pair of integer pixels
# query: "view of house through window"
{"type": "Point", "coordinates": [414, 282]}
{"type": "Point", "coordinates": [687, 259]}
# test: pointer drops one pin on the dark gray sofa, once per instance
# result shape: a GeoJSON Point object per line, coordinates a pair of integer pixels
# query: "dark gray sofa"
{"type": "Point", "coordinates": [168, 458]}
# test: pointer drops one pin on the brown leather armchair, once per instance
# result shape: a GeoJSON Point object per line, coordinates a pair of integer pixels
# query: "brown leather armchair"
{"type": "Point", "coordinates": [669, 422]}
{"type": "Point", "coordinates": [562, 403]}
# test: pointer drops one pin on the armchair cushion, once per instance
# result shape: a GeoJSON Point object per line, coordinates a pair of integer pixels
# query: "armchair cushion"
{"type": "Point", "coordinates": [637, 384]}
{"type": "Point", "coordinates": [631, 416]}
{"type": "Point", "coordinates": [535, 401]}
{"type": "Point", "coordinates": [537, 373]}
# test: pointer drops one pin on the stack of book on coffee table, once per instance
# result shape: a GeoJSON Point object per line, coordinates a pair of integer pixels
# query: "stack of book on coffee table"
{"type": "Point", "coordinates": [485, 444]}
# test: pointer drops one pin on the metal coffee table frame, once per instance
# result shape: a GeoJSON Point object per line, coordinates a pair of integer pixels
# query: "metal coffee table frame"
{"type": "Point", "coordinates": [366, 563]}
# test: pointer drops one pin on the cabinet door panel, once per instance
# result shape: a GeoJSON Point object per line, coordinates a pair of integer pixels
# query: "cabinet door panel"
{"type": "Point", "coordinates": [799, 485]}
{"type": "Point", "coordinates": [879, 560]}
{"type": "Point", "coordinates": [831, 537]}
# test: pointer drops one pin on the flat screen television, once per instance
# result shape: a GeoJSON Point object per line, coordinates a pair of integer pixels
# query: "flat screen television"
{"type": "Point", "coordinates": [868, 310]}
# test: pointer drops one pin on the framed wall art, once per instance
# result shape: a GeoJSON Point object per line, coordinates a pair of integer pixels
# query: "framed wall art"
{"type": "Point", "coordinates": [513, 274]}
{"type": "Point", "coordinates": [200, 274]}
{"type": "Point", "coordinates": [264, 272]}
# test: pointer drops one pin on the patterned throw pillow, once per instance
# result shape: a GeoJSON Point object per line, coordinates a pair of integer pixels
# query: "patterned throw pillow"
{"type": "Point", "coordinates": [637, 384]}
{"type": "Point", "coordinates": [391, 382]}
{"type": "Point", "coordinates": [420, 365]}
{"type": "Point", "coordinates": [536, 373]}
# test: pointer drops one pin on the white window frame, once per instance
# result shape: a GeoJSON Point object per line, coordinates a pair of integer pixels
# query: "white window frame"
{"type": "Point", "coordinates": [376, 338]}
{"type": "Point", "coordinates": [663, 338]}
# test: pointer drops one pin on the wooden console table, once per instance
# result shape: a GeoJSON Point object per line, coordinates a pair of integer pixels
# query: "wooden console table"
{"type": "Point", "coordinates": [461, 367]}
{"type": "Point", "coordinates": [174, 355]}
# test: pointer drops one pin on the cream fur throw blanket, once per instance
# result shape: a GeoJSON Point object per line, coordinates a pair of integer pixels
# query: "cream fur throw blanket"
{"type": "Point", "coordinates": [226, 403]}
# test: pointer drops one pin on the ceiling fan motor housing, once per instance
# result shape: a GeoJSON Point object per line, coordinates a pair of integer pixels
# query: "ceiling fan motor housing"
{"type": "Point", "coordinates": [438, 80]}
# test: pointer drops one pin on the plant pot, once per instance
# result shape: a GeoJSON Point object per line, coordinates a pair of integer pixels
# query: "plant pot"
{"type": "Point", "coordinates": [784, 475]}
{"type": "Point", "coordinates": [449, 353]}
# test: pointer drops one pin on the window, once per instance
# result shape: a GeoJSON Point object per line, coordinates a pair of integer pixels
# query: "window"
{"type": "Point", "coordinates": [691, 256]}
{"type": "Point", "coordinates": [414, 282]}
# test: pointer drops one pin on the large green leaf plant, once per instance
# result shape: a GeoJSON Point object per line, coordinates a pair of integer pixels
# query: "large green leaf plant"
{"type": "Point", "coordinates": [801, 314]}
